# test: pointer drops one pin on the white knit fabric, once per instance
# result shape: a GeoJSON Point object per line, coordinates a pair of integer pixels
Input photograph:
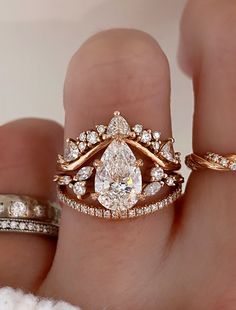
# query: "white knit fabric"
{"type": "Point", "coordinates": [11, 299]}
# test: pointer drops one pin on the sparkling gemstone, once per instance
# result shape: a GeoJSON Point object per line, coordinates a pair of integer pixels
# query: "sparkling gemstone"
{"type": "Point", "coordinates": [82, 146]}
{"type": "Point", "coordinates": [22, 225]}
{"type": "Point", "coordinates": [167, 151]}
{"type": "Point", "coordinates": [4, 224]}
{"type": "Point", "coordinates": [71, 151]}
{"type": "Point", "coordinates": [138, 129]}
{"type": "Point", "coordinates": [83, 137]}
{"type": "Point", "coordinates": [152, 188]}
{"type": "Point", "coordinates": [18, 209]}
{"type": "Point", "coordinates": [118, 125]}
{"type": "Point", "coordinates": [101, 129]}
{"type": "Point", "coordinates": [157, 173]}
{"type": "Point", "coordinates": [156, 135]}
{"type": "Point", "coordinates": [39, 210]}
{"type": "Point", "coordinates": [118, 180]}
{"type": "Point", "coordinates": [156, 146]}
{"type": "Point", "coordinates": [215, 158]}
{"type": "Point", "coordinates": [64, 180]}
{"type": "Point", "coordinates": [146, 136]}
{"type": "Point", "coordinates": [79, 188]}
{"type": "Point", "coordinates": [170, 181]}
{"type": "Point", "coordinates": [92, 137]}
{"type": "Point", "coordinates": [232, 166]}
{"type": "Point", "coordinates": [84, 173]}
{"type": "Point", "coordinates": [13, 225]}
{"type": "Point", "coordinates": [224, 162]}
{"type": "Point", "coordinates": [30, 226]}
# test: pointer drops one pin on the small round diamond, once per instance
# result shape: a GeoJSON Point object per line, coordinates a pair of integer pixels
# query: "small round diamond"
{"type": "Point", "coordinates": [79, 188]}
{"type": "Point", "coordinates": [39, 211]}
{"type": "Point", "coordinates": [224, 162]}
{"type": "Point", "coordinates": [4, 224]}
{"type": "Point", "coordinates": [13, 225]}
{"type": "Point", "coordinates": [18, 209]}
{"type": "Point", "coordinates": [101, 129]}
{"type": "Point", "coordinates": [92, 137]}
{"type": "Point", "coordinates": [157, 173]}
{"type": "Point", "coordinates": [156, 135]}
{"type": "Point", "coordinates": [170, 181]}
{"type": "Point", "coordinates": [138, 129]}
{"type": "Point", "coordinates": [30, 226]}
{"type": "Point", "coordinates": [82, 136]}
{"type": "Point", "coordinates": [22, 225]}
{"type": "Point", "coordinates": [146, 136]}
{"type": "Point", "coordinates": [232, 166]}
{"type": "Point", "coordinates": [64, 180]}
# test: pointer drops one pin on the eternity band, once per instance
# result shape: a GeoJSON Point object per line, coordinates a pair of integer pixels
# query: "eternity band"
{"type": "Point", "coordinates": [28, 226]}
{"type": "Point", "coordinates": [211, 161]}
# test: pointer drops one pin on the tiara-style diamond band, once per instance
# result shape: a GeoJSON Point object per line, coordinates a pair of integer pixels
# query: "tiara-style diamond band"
{"type": "Point", "coordinates": [116, 156]}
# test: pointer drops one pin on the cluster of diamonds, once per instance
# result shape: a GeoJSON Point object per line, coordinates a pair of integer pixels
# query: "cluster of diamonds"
{"type": "Point", "coordinates": [158, 179]}
{"type": "Point", "coordinates": [78, 182]}
{"type": "Point", "coordinates": [118, 182]}
{"type": "Point", "coordinates": [28, 226]}
{"type": "Point", "coordinates": [221, 160]}
{"type": "Point", "coordinates": [74, 149]}
{"type": "Point", "coordinates": [130, 213]}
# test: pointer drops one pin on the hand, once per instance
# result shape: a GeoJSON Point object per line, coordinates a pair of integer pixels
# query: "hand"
{"type": "Point", "coordinates": [182, 257]}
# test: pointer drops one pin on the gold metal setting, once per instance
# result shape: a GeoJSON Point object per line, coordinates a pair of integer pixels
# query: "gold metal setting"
{"type": "Point", "coordinates": [118, 174]}
{"type": "Point", "coordinates": [211, 161]}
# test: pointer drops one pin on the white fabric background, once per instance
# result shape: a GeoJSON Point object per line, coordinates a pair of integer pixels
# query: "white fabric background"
{"type": "Point", "coordinates": [37, 39]}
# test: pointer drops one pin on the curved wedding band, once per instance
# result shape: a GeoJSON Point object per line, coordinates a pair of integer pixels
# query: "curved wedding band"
{"type": "Point", "coordinates": [20, 213]}
{"type": "Point", "coordinates": [211, 161]}
{"type": "Point", "coordinates": [118, 185]}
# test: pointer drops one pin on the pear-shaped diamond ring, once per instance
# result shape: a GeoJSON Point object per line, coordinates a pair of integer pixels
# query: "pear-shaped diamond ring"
{"type": "Point", "coordinates": [116, 171]}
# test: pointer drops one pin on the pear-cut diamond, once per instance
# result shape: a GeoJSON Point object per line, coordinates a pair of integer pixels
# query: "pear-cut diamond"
{"type": "Point", "coordinates": [167, 151]}
{"type": "Point", "coordinates": [118, 125]}
{"type": "Point", "coordinates": [118, 180]}
{"type": "Point", "coordinates": [71, 151]}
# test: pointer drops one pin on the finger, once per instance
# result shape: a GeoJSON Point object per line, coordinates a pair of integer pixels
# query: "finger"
{"type": "Point", "coordinates": [28, 151]}
{"type": "Point", "coordinates": [208, 54]}
{"type": "Point", "coordinates": [208, 220]}
{"type": "Point", "coordinates": [121, 70]}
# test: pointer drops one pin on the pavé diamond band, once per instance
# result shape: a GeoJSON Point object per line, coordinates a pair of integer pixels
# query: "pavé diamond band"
{"type": "Point", "coordinates": [102, 164]}
{"type": "Point", "coordinates": [211, 161]}
{"type": "Point", "coordinates": [136, 211]}
{"type": "Point", "coordinates": [21, 213]}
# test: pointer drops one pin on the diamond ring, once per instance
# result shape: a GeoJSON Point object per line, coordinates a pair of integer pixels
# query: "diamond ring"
{"type": "Point", "coordinates": [211, 161]}
{"type": "Point", "coordinates": [128, 165]}
{"type": "Point", "coordinates": [20, 213]}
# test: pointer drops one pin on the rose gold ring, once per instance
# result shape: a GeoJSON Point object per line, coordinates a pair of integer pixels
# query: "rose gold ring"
{"type": "Point", "coordinates": [101, 166]}
{"type": "Point", "coordinates": [211, 161]}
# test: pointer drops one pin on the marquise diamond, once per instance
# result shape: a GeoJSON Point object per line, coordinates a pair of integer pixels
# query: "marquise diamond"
{"type": "Point", "coordinates": [118, 180]}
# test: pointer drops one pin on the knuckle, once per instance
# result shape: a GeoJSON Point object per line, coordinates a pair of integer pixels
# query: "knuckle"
{"type": "Point", "coordinates": [217, 29]}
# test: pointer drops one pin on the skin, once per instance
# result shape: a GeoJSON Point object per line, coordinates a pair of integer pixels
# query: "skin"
{"type": "Point", "coordinates": [182, 257]}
